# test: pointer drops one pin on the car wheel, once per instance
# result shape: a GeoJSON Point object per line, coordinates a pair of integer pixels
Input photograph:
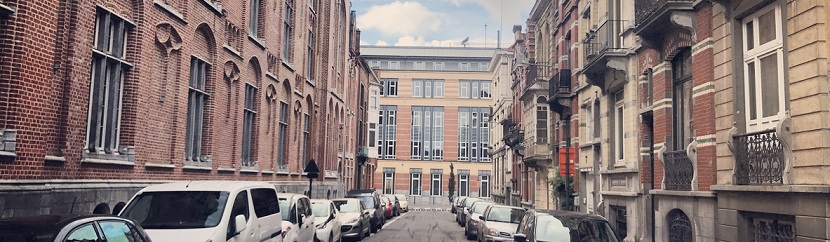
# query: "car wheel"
{"type": "Point", "coordinates": [360, 234]}
{"type": "Point", "coordinates": [470, 237]}
{"type": "Point", "coordinates": [375, 227]}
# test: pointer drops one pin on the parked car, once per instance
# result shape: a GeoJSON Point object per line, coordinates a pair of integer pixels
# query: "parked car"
{"type": "Point", "coordinates": [354, 216]}
{"type": "Point", "coordinates": [388, 207]}
{"type": "Point", "coordinates": [404, 201]}
{"type": "Point", "coordinates": [499, 222]}
{"type": "Point", "coordinates": [297, 218]}
{"type": "Point", "coordinates": [397, 202]}
{"type": "Point", "coordinates": [71, 228]}
{"type": "Point", "coordinates": [455, 203]}
{"type": "Point", "coordinates": [207, 211]}
{"type": "Point", "coordinates": [371, 199]}
{"type": "Point", "coordinates": [461, 217]}
{"type": "Point", "coordinates": [472, 224]}
{"type": "Point", "coordinates": [325, 219]}
{"type": "Point", "coordinates": [563, 226]}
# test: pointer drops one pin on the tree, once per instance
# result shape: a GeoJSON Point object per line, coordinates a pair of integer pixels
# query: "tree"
{"type": "Point", "coordinates": [452, 183]}
{"type": "Point", "coordinates": [562, 192]}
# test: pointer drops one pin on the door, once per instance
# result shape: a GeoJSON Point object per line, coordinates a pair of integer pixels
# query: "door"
{"type": "Point", "coordinates": [240, 206]}
{"type": "Point", "coordinates": [267, 210]}
{"type": "Point", "coordinates": [306, 226]}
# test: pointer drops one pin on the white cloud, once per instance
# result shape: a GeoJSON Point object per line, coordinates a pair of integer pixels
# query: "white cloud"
{"type": "Point", "coordinates": [363, 42]}
{"type": "Point", "coordinates": [507, 10]}
{"type": "Point", "coordinates": [381, 43]}
{"type": "Point", "coordinates": [409, 40]}
{"type": "Point", "coordinates": [400, 18]}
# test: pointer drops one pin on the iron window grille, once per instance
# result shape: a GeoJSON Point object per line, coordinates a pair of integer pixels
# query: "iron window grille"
{"type": "Point", "coordinates": [771, 227]}
{"type": "Point", "coordinates": [678, 170]}
{"type": "Point", "coordinates": [680, 227]}
{"type": "Point", "coordinates": [197, 100]}
{"type": "Point", "coordinates": [759, 158]}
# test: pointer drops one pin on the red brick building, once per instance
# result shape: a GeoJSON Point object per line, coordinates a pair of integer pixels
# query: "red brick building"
{"type": "Point", "coordinates": [100, 98]}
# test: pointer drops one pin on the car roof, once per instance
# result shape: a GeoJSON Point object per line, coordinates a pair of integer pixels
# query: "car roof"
{"type": "Point", "coordinates": [505, 206]}
{"type": "Point", "coordinates": [345, 199]}
{"type": "Point", "coordinates": [571, 215]}
{"type": "Point", "coordinates": [290, 196]}
{"type": "Point", "coordinates": [206, 186]}
{"type": "Point", "coordinates": [53, 222]}
{"type": "Point", "coordinates": [361, 191]}
{"type": "Point", "coordinates": [320, 201]}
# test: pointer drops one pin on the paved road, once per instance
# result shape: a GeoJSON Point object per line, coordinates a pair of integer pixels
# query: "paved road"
{"type": "Point", "coordinates": [431, 226]}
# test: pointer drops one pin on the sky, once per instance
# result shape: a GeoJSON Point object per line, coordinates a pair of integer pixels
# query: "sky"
{"type": "Point", "coordinates": [439, 22]}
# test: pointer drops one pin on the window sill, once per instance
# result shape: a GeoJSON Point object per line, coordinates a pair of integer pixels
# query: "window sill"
{"type": "Point", "coordinates": [272, 76]}
{"type": "Point", "coordinates": [267, 172]}
{"type": "Point", "coordinates": [619, 171]}
{"type": "Point", "coordinates": [257, 41]}
{"type": "Point", "coordinates": [106, 162]}
{"type": "Point", "coordinates": [226, 169]}
{"type": "Point", "coordinates": [298, 92]}
{"type": "Point", "coordinates": [310, 82]}
{"type": "Point", "coordinates": [52, 158]}
{"type": "Point", "coordinates": [170, 10]}
{"type": "Point", "coordinates": [233, 51]}
{"type": "Point", "coordinates": [619, 194]}
{"type": "Point", "coordinates": [6, 10]}
{"type": "Point", "coordinates": [282, 172]}
{"type": "Point", "coordinates": [682, 193]}
{"type": "Point", "coordinates": [772, 188]}
{"type": "Point", "coordinates": [288, 65]}
{"type": "Point", "coordinates": [159, 165]}
{"type": "Point", "coordinates": [7, 154]}
{"type": "Point", "coordinates": [250, 170]}
{"type": "Point", "coordinates": [295, 173]}
{"type": "Point", "coordinates": [196, 168]}
{"type": "Point", "coordinates": [215, 7]}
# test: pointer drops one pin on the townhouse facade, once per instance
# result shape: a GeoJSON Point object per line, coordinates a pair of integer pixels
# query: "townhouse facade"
{"type": "Point", "coordinates": [433, 121]}
{"type": "Point", "coordinates": [102, 98]}
{"type": "Point", "coordinates": [502, 155]}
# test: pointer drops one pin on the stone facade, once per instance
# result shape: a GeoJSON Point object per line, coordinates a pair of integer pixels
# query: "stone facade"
{"type": "Point", "coordinates": [50, 47]}
{"type": "Point", "coordinates": [501, 67]}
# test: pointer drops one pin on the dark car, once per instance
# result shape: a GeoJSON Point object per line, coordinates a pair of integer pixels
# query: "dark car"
{"type": "Point", "coordinates": [44, 228]}
{"type": "Point", "coordinates": [371, 199]}
{"type": "Point", "coordinates": [563, 226]}
{"type": "Point", "coordinates": [463, 210]}
{"type": "Point", "coordinates": [396, 211]}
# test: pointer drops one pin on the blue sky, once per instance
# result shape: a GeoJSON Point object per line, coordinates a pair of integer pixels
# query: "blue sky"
{"type": "Point", "coordinates": [438, 22]}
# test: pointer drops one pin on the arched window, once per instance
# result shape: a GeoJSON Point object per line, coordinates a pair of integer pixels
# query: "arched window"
{"type": "Point", "coordinates": [680, 227]}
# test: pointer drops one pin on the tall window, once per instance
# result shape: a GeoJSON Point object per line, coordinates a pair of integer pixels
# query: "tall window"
{"type": "Point", "coordinates": [253, 21]}
{"type": "Point", "coordinates": [464, 66]}
{"type": "Point", "coordinates": [463, 183]}
{"type": "Point", "coordinates": [597, 121]}
{"type": "Point", "coordinates": [435, 185]}
{"type": "Point", "coordinates": [394, 65]}
{"type": "Point", "coordinates": [764, 70]}
{"type": "Point", "coordinates": [309, 69]}
{"type": "Point", "coordinates": [248, 122]}
{"type": "Point", "coordinates": [388, 180]}
{"type": "Point", "coordinates": [374, 64]}
{"type": "Point", "coordinates": [387, 139]}
{"type": "Point", "coordinates": [438, 66]}
{"type": "Point", "coordinates": [428, 88]}
{"type": "Point", "coordinates": [306, 132]}
{"type": "Point", "coordinates": [682, 99]}
{"type": "Point", "coordinates": [619, 131]}
{"type": "Point", "coordinates": [541, 124]}
{"type": "Point", "coordinates": [473, 134]}
{"type": "Point", "coordinates": [196, 100]}
{"type": "Point", "coordinates": [287, 31]}
{"type": "Point", "coordinates": [484, 191]}
{"type": "Point", "coordinates": [415, 182]}
{"type": "Point", "coordinates": [589, 123]}
{"type": "Point", "coordinates": [108, 66]}
{"type": "Point", "coordinates": [427, 133]}
{"type": "Point", "coordinates": [372, 134]}
{"type": "Point", "coordinates": [474, 89]}
{"type": "Point", "coordinates": [282, 137]}
{"type": "Point", "coordinates": [390, 87]}
{"type": "Point", "coordinates": [620, 221]}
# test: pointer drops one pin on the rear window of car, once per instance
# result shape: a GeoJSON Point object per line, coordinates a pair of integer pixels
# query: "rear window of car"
{"type": "Point", "coordinates": [347, 206]}
{"type": "Point", "coordinates": [368, 201]}
{"type": "Point", "coordinates": [265, 202]}
{"type": "Point", "coordinates": [505, 215]}
{"type": "Point", "coordinates": [479, 207]}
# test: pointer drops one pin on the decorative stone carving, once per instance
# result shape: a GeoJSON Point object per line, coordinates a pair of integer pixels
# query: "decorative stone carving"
{"type": "Point", "coordinates": [168, 37]}
{"type": "Point", "coordinates": [233, 36]}
{"type": "Point", "coordinates": [231, 75]}
{"type": "Point", "coordinates": [691, 152]}
{"type": "Point", "coordinates": [685, 20]}
{"type": "Point", "coordinates": [784, 132]}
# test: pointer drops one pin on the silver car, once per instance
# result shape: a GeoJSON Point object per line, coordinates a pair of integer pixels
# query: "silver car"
{"type": "Point", "coordinates": [499, 222]}
{"type": "Point", "coordinates": [354, 216]}
{"type": "Point", "coordinates": [473, 222]}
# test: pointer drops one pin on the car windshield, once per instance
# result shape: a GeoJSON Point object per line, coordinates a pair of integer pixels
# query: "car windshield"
{"type": "Point", "coordinates": [595, 231]}
{"type": "Point", "coordinates": [480, 207]}
{"type": "Point", "coordinates": [469, 202]}
{"type": "Point", "coordinates": [285, 207]}
{"type": "Point", "coordinates": [177, 210]}
{"type": "Point", "coordinates": [368, 201]}
{"type": "Point", "coordinates": [320, 210]}
{"type": "Point", "coordinates": [347, 206]}
{"type": "Point", "coordinates": [505, 215]}
{"type": "Point", "coordinates": [550, 229]}
{"type": "Point", "coordinates": [401, 197]}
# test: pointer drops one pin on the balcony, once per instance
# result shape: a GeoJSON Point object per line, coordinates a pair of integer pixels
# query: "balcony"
{"type": "Point", "coordinates": [604, 49]}
{"type": "Point", "coordinates": [655, 16]}
{"type": "Point", "coordinates": [560, 93]}
{"type": "Point", "coordinates": [678, 170]}
{"type": "Point", "coordinates": [759, 158]}
{"type": "Point", "coordinates": [538, 155]}
{"type": "Point", "coordinates": [537, 78]}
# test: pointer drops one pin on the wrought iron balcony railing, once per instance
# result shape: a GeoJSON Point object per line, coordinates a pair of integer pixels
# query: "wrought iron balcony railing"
{"type": "Point", "coordinates": [537, 72]}
{"type": "Point", "coordinates": [644, 9]}
{"type": "Point", "coordinates": [606, 38]}
{"type": "Point", "coordinates": [678, 171]}
{"type": "Point", "coordinates": [559, 92]}
{"type": "Point", "coordinates": [759, 158]}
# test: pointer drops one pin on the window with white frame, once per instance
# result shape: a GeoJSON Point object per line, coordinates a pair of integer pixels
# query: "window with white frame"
{"type": "Point", "coordinates": [388, 180]}
{"type": "Point", "coordinates": [764, 70]}
{"type": "Point", "coordinates": [484, 66]}
{"type": "Point", "coordinates": [374, 64]}
{"type": "Point", "coordinates": [248, 126]}
{"type": "Point", "coordinates": [415, 182]}
{"type": "Point", "coordinates": [473, 134]}
{"type": "Point", "coordinates": [428, 88]}
{"type": "Point", "coordinates": [619, 131]}
{"type": "Point", "coordinates": [196, 101]}
{"type": "Point", "coordinates": [484, 190]}
{"type": "Point", "coordinates": [464, 66]}
{"type": "Point", "coordinates": [386, 139]}
{"type": "Point", "coordinates": [464, 183]}
{"type": "Point", "coordinates": [435, 185]}
{"type": "Point", "coordinates": [438, 66]}
{"type": "Point", "coordinates": [109, 63]}
{"type": "Point", "coordinates": [475, 89]}
{"type": "Point", "coordinates": [419, 65]}
{"type": "Point", "coordinates": [394, 65]}
{"type": "Point", "coordinates": [541, 124]}
{"type": "Point", "coordinates": [427, 133]}
{"type": "Point", "coordinates": [389, 88]}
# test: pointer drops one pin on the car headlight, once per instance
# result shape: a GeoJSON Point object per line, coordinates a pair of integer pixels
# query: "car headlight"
{"type": "Point", "coordinates": [492, 232]}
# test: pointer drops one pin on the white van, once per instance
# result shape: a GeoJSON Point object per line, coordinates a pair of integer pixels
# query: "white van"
{"type": "Point", "coordinates": [297, 218]}
{"type": "Point", "coordinates": [200, 211]}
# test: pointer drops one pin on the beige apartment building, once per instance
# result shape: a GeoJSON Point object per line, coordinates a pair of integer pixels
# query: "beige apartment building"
{"type": "Point", "coordinates": [502, 106]}
{"type": "Point", "coordinates": [434, 114]}
{"type": "Point", "coordinates": [773, 124]}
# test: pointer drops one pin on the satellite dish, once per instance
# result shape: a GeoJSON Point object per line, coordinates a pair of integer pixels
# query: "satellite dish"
{"type": "Point", "coordinates": [464, 42]}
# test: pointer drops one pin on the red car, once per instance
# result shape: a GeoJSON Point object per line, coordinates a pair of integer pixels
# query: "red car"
{"type": "Point", "coordinates": [389, 207]}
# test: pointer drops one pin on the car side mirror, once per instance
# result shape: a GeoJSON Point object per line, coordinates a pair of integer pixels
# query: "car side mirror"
{"type": "Point", "coordinates": [519, 237]}
{"type": "Point", "coordinates": [240, 223]}
{"type": "Point", "coordinates": [365, 212]}
{"type": "Point", "coordinates": [481, 217]}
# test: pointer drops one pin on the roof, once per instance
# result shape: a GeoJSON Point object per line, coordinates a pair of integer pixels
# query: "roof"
{"type": "Point", "coordinates": [421, 51]}
{"type": "Point", "coordinates": [205, 186]}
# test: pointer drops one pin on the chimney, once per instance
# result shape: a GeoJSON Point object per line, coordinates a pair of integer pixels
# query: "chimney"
{"type": "Point", "coordinates": [357, 41]}
{"type": "Point", "coordinates": [517, 32]}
